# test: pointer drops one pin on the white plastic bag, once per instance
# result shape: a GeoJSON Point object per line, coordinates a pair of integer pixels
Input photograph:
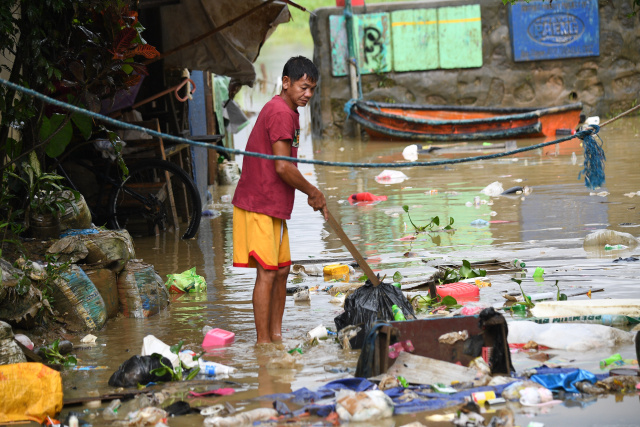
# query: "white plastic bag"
{"type": "Point", "coordinates": [243, 419]}
{"type": "Point", "coordinates": [575, 337]}
{"type": "Point", "coordinates": [363, 406]}
{"type": "Point", "coordinates": [410, 153]}
{"type": "Point", "coordinates": [493, 190]}
{"type": "Point", "coordinates": [151, 344]}
{"type": "Point", "coordinates": [390, 177]}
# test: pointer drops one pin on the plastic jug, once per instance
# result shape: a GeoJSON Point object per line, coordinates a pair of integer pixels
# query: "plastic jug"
{"type": "Point", "coordinates": [218, 337]}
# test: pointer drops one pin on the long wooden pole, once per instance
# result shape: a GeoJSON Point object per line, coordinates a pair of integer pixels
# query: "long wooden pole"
{"type": "Point", "coordinates": [352, 249]}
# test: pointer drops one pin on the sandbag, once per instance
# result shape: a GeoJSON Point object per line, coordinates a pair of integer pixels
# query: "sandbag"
{"type": "Point", "coordinates": [112, 248]}
{"type": "Point", "coordinates": [106, 283]}
{"type": "Point", "coordinates": [137, 370]}
{"type": "Point", "coordinates": [69, 249]}
{"type": "Point", "coordinates": [29, 391]}
{"type": "Point", "coordinates": [76, 213]}
{"type": "Point", "coordinates": [187, 281]}
{"type": "Point", "coordinates": [141, 292]}
{"type": "Point", "coordinates": [76, 298]}
{"type": "Point", "coordinates": [9, 351]}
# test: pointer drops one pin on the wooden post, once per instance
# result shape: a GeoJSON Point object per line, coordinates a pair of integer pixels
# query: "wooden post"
{"type": "Point", "coordinates": [212, 155]}
{"type": "Point", "coordinates": [353, 52]}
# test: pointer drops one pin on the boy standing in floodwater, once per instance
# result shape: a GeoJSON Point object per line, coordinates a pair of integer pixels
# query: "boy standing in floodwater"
{"type": "Point", "coordinates": [263, 199]}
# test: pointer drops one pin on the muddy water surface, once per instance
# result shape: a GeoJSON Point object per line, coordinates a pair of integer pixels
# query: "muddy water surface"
{"type": "Point", "coordinates": [544, 228]}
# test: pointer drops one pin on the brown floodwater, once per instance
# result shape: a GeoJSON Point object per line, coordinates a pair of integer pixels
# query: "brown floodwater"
{"type": "Point", "coordinates": [544, 228]}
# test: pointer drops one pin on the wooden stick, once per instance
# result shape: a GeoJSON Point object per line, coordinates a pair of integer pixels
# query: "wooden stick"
{"type": "Point", "coordinates": [352, 250]}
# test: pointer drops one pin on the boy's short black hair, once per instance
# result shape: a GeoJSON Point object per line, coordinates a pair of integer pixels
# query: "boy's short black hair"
{"type": "Point", "coordinates": [297, 67]}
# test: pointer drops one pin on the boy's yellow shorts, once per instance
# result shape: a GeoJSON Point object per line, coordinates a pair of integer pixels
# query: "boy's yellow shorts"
{"type": "Point", "coordinates": [261, 238]}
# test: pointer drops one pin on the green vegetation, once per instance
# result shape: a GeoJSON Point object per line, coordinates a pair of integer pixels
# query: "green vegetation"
{"type": "Point", "coordinates": [434, 222]}
{"type": "Point", "coordinates": [177, 373]}
{"type": "Point", "coordinates": [465, 272]}
{"type": "Point", "coordinates": [52, 354]}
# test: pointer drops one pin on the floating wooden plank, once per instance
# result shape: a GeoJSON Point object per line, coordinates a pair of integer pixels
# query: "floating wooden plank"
{"type": "Point", "coordinates": [424, 370]}
{"type": "Point", "coordinates": [414, 39]}
{"type": "Point", "coordinates": [460, 36]}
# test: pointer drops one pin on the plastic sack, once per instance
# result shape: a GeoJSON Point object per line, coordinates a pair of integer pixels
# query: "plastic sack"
{"type": "Point", "coordinates": [75, 295]}
{"type": "Point", "coordinates": [363, 406]}
{"type": "Point", "coordinates": [575, 337]}
{"type": "Point", "coordinates": [245, 418]}
{"type": "Point", "coordinates": [141, 291]}
{"type": "Point", "coordinates": [370, 303]}
{"type": "Point", "coordinates": [106, 283]}
{"type": "Point", "coordinates": [9, 350]}
{"type": "Point", "coordinates": [137, 370]}
{"type": "Point", "coordinates": [564, 381]}
{"type": "Point", "coordinates": [391, 177]}
{"type": "Point", "coordinates": [29, 391]}
{"type": "Point", "coordinates": [493, 190]}
{"type": "Point", "coordinates": [187, 281]}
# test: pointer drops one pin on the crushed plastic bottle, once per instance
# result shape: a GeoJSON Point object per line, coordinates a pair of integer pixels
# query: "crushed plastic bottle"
{"type": "Point", "coordinates": [608, 247]}
{"type": "Point", "coordinates": [111, 411]}
{"type": "Point", "coordinates": [398, 315]}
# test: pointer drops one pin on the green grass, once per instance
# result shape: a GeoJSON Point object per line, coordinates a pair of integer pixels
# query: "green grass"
{"type": "Point", "coordinates": [298, 28]}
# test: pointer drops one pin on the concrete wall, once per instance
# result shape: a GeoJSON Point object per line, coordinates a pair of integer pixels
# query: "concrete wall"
{"type": "Point", "coordinates": [606, 84]}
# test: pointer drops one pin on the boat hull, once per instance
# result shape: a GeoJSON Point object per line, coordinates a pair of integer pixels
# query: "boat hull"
{"type": "Point", "coordinates": [444, 123]}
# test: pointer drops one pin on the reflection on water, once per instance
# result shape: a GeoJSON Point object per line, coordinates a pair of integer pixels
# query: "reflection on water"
{"type": "Point", "coordinates": [544, 228]}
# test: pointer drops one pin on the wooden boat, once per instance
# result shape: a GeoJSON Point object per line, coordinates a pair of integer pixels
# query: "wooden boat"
{"type": "Point", "coordinates": [456, 123]}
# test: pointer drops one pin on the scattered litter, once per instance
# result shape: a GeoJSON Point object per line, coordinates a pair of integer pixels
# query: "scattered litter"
{"type": "Point", "coordinates": [285, 361]}
{"type": "Point", "coordinates": [391, 177]}
{"type": "Point", "coordinates": [453, 337]}
{"type": "Point", "coordinates": [318, 332]}
{"type": "Point", "coordinates": [24, 340]}
{"type": "Point", "coordinates": [213, 369]}
{"type": "Point", "coordinates": [301, 295]}
{"type": "Point", "coordinates": [363, 406]}
{"type": "Point", "coordinates": [575, 337]}
{"type": "Point", "coordinates": [410, 153]}
{"type": "Point", "coordinates": [338, 298]}
{"type": "Point", "coordinates": [479, 222]}
{"type": "Point", "coordinates": [493, 190]}
{"type": "Point", "coordinates": [89, 339]}
{"type": "Point", "coordinates": [629, 259]}
{"type": "Point", "coordinates": [187, 281]}
{"type": "Point", "coordinates": [149, 416]}
{"type": "Point", "coordinates": [600, 194]}
{"type": "Point", "coordinates": [365, 197]}
{"type": "Point", "coordinates": [245, 418]}
{"type": "Point", "coordinates": [614, 247]}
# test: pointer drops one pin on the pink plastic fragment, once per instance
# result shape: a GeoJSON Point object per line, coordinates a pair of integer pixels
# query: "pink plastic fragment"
{"type": "Point", "coordinates": [217, 392]}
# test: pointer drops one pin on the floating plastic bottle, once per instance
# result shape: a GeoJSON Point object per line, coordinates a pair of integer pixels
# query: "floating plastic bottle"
{"type": "Point", "coordinates": [397, 313]}
{"type": "Point", "coordinates": [519, 263]}
{"type": "Point", "coordinates": [213, 369]}
{"type": "Point", "coordinates": [614, 247]}
{"type": "Point", "coordinates": [610, 360]}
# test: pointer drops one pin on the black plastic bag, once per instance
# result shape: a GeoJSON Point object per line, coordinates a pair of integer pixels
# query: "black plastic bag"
{"type": "Point", "coordinates": [137, 370]}
{"type": "Point", "coordinates": [371, 303]}
{"type": "Point", "coordinates": [179, 408]}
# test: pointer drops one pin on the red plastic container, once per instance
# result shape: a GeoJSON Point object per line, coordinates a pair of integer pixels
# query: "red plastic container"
{"type": "Point", "coordinates": [461, 291]}
{"type": "Point", "coordinates": [218, 337]}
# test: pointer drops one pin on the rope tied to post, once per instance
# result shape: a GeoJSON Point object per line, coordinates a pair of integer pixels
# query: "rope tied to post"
{"type": "Point", "coordinates": [594, 158]}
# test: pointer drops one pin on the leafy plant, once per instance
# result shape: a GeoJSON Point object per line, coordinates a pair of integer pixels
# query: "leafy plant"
{"type": "Point", "coordinates": [434, 222]}
{"type": "Point", "coordinates": [527, 299]}
{"type": "Point", "coordinates": [560, 296]}
{"type": "Point", "coordinates": [465, 272]}
{"type": "Point", "coordinates": [397, 276]}
{"type": "Point", "coordinates": [52, 354]}
{"type": "Point", "coordinates": [176, 372]}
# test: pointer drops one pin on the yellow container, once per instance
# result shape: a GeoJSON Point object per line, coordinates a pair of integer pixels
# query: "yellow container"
{"type": "Point", "coordinates": [336, 272]}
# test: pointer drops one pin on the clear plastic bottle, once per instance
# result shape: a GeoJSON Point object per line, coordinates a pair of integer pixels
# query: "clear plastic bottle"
{"type": "Point", "coordinates": [111, 411]}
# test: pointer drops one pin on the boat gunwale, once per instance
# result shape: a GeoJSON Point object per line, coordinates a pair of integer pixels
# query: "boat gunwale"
{"type": "Point", "coordinates": [517, 114]}
{"type": "Point", "coordinates": [532, 129]}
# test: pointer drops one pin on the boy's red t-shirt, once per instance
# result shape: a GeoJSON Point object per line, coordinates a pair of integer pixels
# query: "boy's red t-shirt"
{"type": "Point", "coordinates": [260, 189]}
